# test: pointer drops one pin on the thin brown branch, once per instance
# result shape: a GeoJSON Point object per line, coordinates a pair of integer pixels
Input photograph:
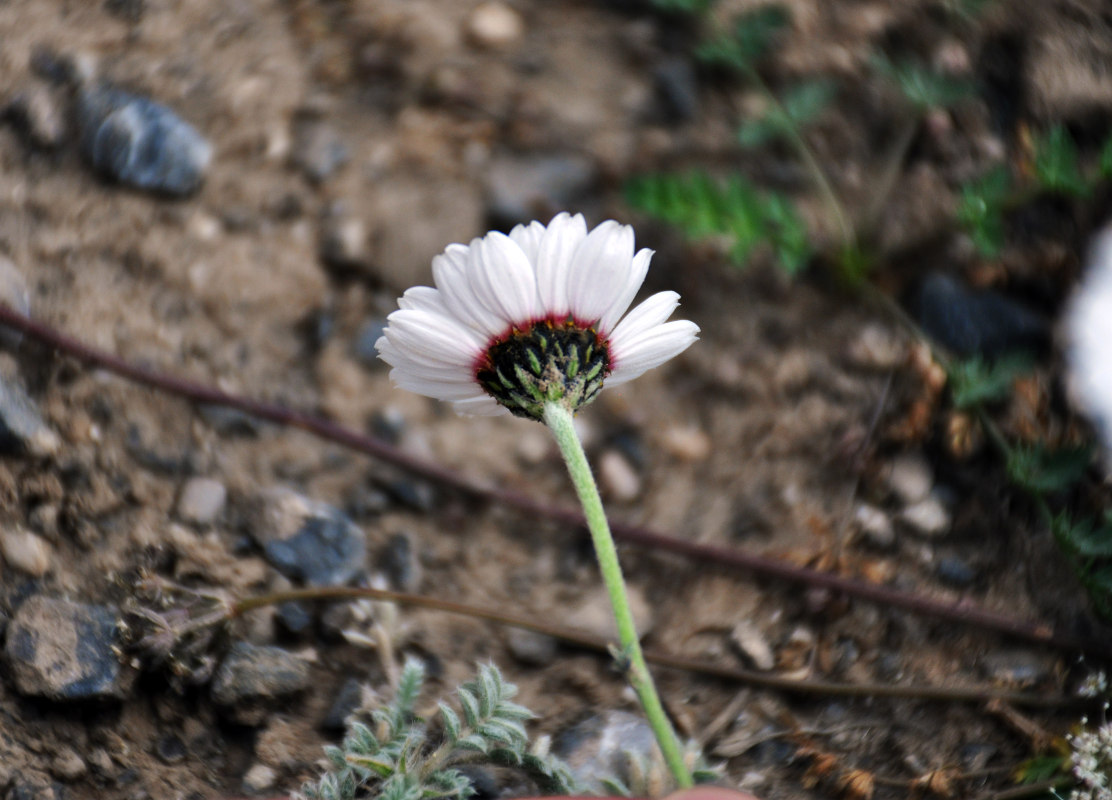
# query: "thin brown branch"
{"type": "Point", "coordinates": [961, 612]}
{"type": "Point", "coordinates": [971, 694]}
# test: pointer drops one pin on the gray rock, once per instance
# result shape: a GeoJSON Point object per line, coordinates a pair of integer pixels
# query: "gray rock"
{"type": "Point", "coordinates": [1018, 668]}
{"type": "Point", "coordinates": [676, 89]}
{"type": "Point", "coordinates": [63, 650]}
{"type": "Point", "coordinates": [530, 647]}
{"type": "Point", "coordinates": [140, 143]}
{"type": "Point", "coordinates": [955, 572]}
{"type": "Point", "coordinates": [976, 323]}
{"type": "Point", "coordinates": [14, 294]}
{"type": "Point", "coordinates": [260, 778]}
{"type": "Point", "coordinates": [523, 189]}
{"type": "Point", "coordinates": [22, 430]}
{"type": "Point", "coordinates": [599, 747]}
{"type": "Point", "coordinates": [398, 560]}
{"type": "Point", "coordinates": [308, 540]}
{"type": "Point", "coordinates": [318, 150]}
{"type": "Point", "coordinates": [253, 675]}
{"type": "Point", "coordinates": [348, 699]}
{"type": "Point", "coordinates": [201, 500]}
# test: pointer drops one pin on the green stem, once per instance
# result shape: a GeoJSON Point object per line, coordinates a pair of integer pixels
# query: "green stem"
{"type": "Point", "coordinates": [559, 420]}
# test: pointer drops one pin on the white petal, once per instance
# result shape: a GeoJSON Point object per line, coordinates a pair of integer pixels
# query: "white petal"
{"type": "Point", "coordinates": [652, 348]}
{"type": "Point", "coordinates": [648, 314]}
{"type": "Point", "coordinates": [503, 279]}
{"type": "Point", "coordinates": [638, 270]}
{"type": "Point", "coordinates": [600, 270]}
{"type": "Point", "coordinates": [553, 261]}
{"type": "Point", "coordinates": [484, 406]}
{"type": "Point", "coordinates": [432, 338]}
{"type": "Point", "coordinates": [528, 238]}
{"type": "Point", "coordinates": [451, 272]}
{"type": "Point", "coordinates": [441, 390]}
{"type": "Point", "coordinates": [421, 297]}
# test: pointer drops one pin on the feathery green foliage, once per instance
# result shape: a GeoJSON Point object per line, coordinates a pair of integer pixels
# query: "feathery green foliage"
{"type": "Point", "coordinates": [923, 88]}
{"type": "Point", "coordinates": [976, 382]}
{"type": "Point", "coordinates": [395, 761]}
{"type": "Point", "coordinates": [734, 209]}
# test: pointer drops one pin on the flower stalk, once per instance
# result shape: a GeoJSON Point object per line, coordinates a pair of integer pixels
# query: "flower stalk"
{"type": "Point", "coordinates": [559, 420]}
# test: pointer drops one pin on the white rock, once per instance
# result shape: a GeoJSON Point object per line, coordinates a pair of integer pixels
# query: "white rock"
{"type": "Point", "coordinates": [928, 517]}
{"type": "Point", "coordinates": [910, 478]}
{"type": "Point", "coordinates": [494, 25]}
{"type": "Point", "coordinates": [687, 443]}
{"type": "Point", "coordinates": [874, 525]}
{"type": "Point", "coordinates": [617, 476]}
{"type": "Point", "coordinates": [202, 499]}
{"type": "Point", "coordinates": [25, 551]}
{"type": "Point", "coordinates": [876, 347]}
{"type": "Point", "coordinates": [259, 778]}
{"type": "Point", "coordinates": [753, 644]}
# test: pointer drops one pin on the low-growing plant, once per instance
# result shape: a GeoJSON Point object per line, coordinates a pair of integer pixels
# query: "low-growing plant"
{"type": "Point", "coordinates": [393, 757]}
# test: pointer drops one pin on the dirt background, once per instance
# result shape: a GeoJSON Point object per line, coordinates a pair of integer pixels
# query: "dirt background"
{"type": "Point", "coordinates": [767, 435]}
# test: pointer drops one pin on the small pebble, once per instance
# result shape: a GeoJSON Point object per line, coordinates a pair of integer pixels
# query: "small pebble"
{"type": "Point", "coordinates": [348, 699]}
{"type": "Point", "coordinates": [170, 749]}
{"type": "Point", "coordinates": [751, 641]}
{"type": "Point", "coordinates": [676, 89]}
{"type": "Point", "coordinates": [874, 525]}
{"type": "Point", "coordinates": [201, 500]}
{"type": "Point", "coordinates": [910, 478]}
{"type": "Point", "coordinates": [533, 447]}
{"type": "Point", "coordinates": [530, 647]}
{"type": "Point", "coordinates": [1018, 668]}
{"type": "Point", "coordinates": [618, 478]}
{"type": "Point", "coordinates": [593, 614]}
{"type": "Point", "coordinates": [686, 443]}
{"type": "Point", "coordinates": [398, 559]}
{"type": "Point", "coordinates": [876, 347]}
{"type": "Point", "coordinates": [139, 142]}
{"type": "Point", "coordinates": [318, 149]}
{"type": "Point", "coordinates": [22, 430]}
{"type": "Point", "coordinates": [344, 242]}
{"type": "Point", "coordinates": [25, 551]}
{"type": "Point", "coordinates": [37, 115]}
{"type": "Point", "coordinates": [260, 778]}
{"type": "Point", "coordinates": [67, 765]}
{"type": "Point", "coordinates": [928, 517]}
{"type": "Point", "coordinates": [955, 572]}
{"type": "Point", "coordinates": [14, 294]}
{"type": "Point", "coordinates": [494, 25]}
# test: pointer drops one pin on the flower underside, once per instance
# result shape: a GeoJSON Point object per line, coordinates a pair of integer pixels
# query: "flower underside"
{"type": "Point", "coordinates": [547, 361]}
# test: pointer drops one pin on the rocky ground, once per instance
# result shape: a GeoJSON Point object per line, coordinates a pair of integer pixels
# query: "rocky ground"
{"type": "Point", "coordinates": [335, 148]}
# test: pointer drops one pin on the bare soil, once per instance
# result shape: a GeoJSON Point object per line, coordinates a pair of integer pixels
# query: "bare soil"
{"type": "Point", "coordinates": [767, 435]}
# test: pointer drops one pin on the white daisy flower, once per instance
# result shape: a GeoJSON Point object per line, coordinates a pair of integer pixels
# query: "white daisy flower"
{"type": "Point", "coordinates": [517, 321]}
{"type": "Point", "coordinates": [1089, 330]}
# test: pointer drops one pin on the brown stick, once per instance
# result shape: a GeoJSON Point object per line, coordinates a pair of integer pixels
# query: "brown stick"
{"type": "Point", "coordinates": [961, 612]}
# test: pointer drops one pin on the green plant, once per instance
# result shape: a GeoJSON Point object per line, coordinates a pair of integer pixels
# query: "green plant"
{"type": "Point", "coordinates": [393, 758]}
{"type": "Point", "coordinates": [745, 217]}
{"type": "Point", "coordinates": [976, 382]}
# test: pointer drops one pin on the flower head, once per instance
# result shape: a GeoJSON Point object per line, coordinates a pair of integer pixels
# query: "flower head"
{"type": "Point", "coordinates": [533, 317]}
